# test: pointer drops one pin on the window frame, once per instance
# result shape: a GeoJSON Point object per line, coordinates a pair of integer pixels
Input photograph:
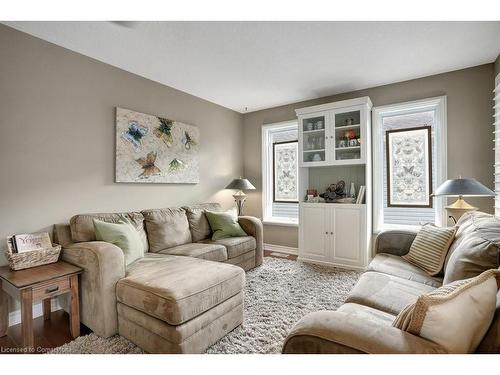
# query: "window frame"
{"type": "Point", "coordinates": [437, 104]}
{"type": "Point", "coordinates": [268, 175]}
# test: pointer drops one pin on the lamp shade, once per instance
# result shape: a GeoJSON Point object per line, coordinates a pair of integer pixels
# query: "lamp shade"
{"type": "Point", "coordinates": [465, 187]}
{"type": "Point", "coordinates": [240, 184]}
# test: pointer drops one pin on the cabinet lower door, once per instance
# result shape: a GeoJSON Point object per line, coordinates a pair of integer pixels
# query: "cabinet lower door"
{"type": "Point", "coordinates": [314, 233]}
{"type": "Point", "coordinates": [348, 236]}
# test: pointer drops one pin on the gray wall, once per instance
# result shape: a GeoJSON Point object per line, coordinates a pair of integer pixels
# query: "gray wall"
{"type": "Point", "coordinates": [57, 121]}
{"type": "Point", "coordinates": [470, 153]}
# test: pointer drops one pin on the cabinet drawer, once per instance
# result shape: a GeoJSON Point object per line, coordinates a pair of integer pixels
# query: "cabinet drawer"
{"type": "Point", "coordinates": [51, 288]}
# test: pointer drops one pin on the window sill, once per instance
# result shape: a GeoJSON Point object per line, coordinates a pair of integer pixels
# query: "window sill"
{"type": "Point", "coordinates": [281, 222]}
{"type": "Point", "coordinates": [386, 227]}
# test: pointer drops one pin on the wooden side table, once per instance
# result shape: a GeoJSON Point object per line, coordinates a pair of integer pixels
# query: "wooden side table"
{"type": "Point", "coordinates": [39, 284]}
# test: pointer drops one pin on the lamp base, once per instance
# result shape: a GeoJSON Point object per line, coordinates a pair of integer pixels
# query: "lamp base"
{"type": "Point", "coordinates": [240, 198]}
{"type": "Point", "coordinates": [459, 208]}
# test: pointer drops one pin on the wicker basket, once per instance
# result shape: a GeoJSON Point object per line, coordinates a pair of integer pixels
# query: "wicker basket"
{"type": "Point", "coordinates": [28, 259]}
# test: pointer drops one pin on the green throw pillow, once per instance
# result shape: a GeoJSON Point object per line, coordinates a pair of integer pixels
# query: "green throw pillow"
{"type": "Point", "coordinates": [123, 235]}
{"type": "Point", "coordinates": [224, 224]}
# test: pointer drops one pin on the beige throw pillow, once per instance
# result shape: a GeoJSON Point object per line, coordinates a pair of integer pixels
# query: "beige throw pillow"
{"type": "Point", "coordinates": [455, 316]}
{"type": "Point", "coordinates": [428, 250]}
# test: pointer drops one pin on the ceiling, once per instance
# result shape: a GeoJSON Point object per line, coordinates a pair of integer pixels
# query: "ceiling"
{"type": "Point", "coordinates": [247, 66]}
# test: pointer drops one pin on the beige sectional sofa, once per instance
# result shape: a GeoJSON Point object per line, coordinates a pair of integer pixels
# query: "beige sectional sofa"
{"type": "Point", "coordinates": [364, 323]}
{"type": "Point", "coordinates": [183, 296]}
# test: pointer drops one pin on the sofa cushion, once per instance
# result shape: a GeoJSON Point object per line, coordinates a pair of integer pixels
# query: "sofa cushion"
{"type": "Point", "coordinates": [123, 235]}
{"type": "Point", "coordinates": [213, 252]}
{"type": "Point", "coordinates": [82, 226]}
{"type": "Point", "coordinates": [388, 293]}
{"type": "Point", "coordinates": [455, 316]}
{"type": "Point", "coordinates": [367, 313]}
{"type": "Point", "coordinates": [176, 289]}
{"type": "Point", "coordinates": [491, 340]}
{"type": "Point", "coordinates": [182, 333]}
{"type": "Point", "coordinates": [476, 247]}
{"type": "Point", "coordinates": [235, 246]}
{"type": "Point", "coordinates": [198, 223]}
{"type": "Point", "coordinates": [396, 266]}
{"type": "Point", "coordinates": [224, 224]}
{"type": "Point", "coordinates": [428, 250]}
{"type": "Point", "coordinates": [166, 227]}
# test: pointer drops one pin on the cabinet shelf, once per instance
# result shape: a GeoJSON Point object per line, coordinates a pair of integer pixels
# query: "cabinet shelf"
{"type": "Point", "coordinates": [317, 150]}
{"type": "Point", "coordinates": [347, 127]}
{"type": "Point", "coordinates": [350, 148]}
{"type": "Point", "coordinates": [313, 131]}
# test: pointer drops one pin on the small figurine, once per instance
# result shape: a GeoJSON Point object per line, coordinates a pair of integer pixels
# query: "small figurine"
{"type": "Point", "coordinates": [334, 192]}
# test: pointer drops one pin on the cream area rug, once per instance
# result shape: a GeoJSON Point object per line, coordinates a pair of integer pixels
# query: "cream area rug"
{"type": "Point", "coordinates": [277, 295]}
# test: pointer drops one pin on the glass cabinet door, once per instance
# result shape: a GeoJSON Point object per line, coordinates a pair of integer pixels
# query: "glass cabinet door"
{"type": "Point", "coordinates": [313, 139]}
{"type": "Point", "coordinates": [347, 136]}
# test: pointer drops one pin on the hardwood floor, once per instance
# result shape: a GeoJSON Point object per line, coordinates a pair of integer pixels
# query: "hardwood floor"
{"type": "Point", "coordinates": [48, 334]}
{"type": "Point", "coordinates": [55, 332]}
{"type": "Point", "coordinates": [274, 254]}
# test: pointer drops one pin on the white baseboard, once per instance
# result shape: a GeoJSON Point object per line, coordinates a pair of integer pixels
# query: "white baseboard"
{"type": "Point", "coordinates": [281, 249]}
{"type": "Point", "coordinates": [15, 316]}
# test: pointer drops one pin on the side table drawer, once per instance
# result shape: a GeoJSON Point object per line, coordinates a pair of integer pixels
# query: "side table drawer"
{"type": "Point", "coordinates": [51, 288]}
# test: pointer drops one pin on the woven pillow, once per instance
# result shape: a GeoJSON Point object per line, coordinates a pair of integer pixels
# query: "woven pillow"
{"type": "Point", "coordinates": [455, 316]}
{"type": "Point", "coordinates": [429, 248]}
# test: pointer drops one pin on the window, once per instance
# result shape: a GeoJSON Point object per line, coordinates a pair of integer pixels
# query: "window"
{"type": "Point", "coordinates": [280, 173]}
{"type": "Point", "coordinates": [409, 146]}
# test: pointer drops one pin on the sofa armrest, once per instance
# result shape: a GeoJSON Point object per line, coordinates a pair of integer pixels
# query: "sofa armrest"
{"type": "Point", "coordinates": [253, 227]}
{"type": "Point", "coordinates": [332, 332]}
{"type": "Point", "coordinates": [396, 242]}
{"type": "Point", "coordinates": [103, 265]}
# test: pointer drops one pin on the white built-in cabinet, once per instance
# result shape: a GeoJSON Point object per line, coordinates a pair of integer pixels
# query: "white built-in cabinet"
{"type": "Point", "coordinates": [333, 233]}
{"type": "Point", "coordinates": [334, 137]}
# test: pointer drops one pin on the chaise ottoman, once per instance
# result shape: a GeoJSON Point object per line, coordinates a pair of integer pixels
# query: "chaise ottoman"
{"type": "Point", "coordinates": [171, 304]}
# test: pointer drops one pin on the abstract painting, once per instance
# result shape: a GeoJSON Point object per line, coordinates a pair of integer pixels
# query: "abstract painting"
{"type": "Point", "coordinates": [409, 177]}
{"type": "Point", "coordinates": [153, 149]}
{"type": "Point", "coordinates": [285, 172]}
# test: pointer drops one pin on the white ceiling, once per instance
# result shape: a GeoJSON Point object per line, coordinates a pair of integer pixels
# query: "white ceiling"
{"type": "Point", "coordinates": [258, 65]}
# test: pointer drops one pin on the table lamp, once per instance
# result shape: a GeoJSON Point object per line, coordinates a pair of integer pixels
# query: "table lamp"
{"type": "Point", "coordinates": [461, 187]}
{"type": "Point", "coordinates": [240, 197]}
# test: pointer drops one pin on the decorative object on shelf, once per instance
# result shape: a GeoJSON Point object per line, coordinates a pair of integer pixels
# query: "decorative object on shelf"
{"type": "Point", "coordinates": [361, 194]}
{"type": "Point", "coordinates": [240, 197]}
{"type": "Point", "coordinates": [348, 121]}
{"type": "Point", "coordinates": [312, 196]}
{"type": "Point", "coordinates": [461, 187]}
{"type": "Point", "coordinates": [152, 149]}
{"type": "Point", "coordinates": [312, 192]}
{"type": "Point", "coordinates": [285, 169]}
{"type": "Point", "coordinates": [310, 126]}
{"type": "Point", "coordinates": [334, 192]}
{"type": "Point", "coordinates": [352, 190]}
{"type": "Point", "coordinates": [349, 134]}
{"type": "Point", "coordinates": [317, 157]}
{"type": "Point", "coordinates": [318, 125]}
{"type": "Point", "coordinates": [409, 182]}
{"type": "Point", "coordinates": [342, 143]}
{"type": "Point", "coordinates": [19, 260]}
{"type": "Point", "coordinates": [353, 142]}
